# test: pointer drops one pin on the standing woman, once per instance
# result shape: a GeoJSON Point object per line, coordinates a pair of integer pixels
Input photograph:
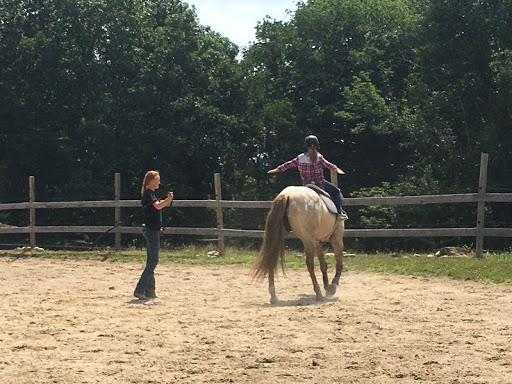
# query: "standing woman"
{"type": "Point", "coordinates": [151, 229]}
{"type": "Point", "coordinates": [311, 168]}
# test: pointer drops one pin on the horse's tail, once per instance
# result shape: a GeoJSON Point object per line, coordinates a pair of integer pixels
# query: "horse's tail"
{"type": "Point", "coordinates": [272, 247]}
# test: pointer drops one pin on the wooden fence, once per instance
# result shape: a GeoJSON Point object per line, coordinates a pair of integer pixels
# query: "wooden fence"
{"type": "Point", "coordinates": [479, 231]}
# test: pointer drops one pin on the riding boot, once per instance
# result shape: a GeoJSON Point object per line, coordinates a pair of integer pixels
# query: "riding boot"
{"type": "Point", "coordinates": [342, 216]}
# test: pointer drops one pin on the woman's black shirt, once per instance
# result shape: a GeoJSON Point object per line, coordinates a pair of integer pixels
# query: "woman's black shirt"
{"type": "Point", "coordinates": [152, 216]}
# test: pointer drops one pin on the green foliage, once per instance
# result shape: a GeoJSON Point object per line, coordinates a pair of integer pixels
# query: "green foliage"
{"type": "Point", "coordinates": [493, 268]}
{"type": "Point", "coordinates": [365, 109]}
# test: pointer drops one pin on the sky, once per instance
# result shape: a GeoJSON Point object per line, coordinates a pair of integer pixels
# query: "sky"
{"type": "Point", "coordinates": [237, 19]}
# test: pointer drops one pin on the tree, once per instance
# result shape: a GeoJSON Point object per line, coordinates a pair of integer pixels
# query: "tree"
{"type": "Point", "coordinates": [313, 69]}
{"type": "Point", "coordinates": [90, 88]}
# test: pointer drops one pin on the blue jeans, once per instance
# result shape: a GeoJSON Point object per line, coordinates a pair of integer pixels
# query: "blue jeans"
{"type": "Point", "coordinates": [335, 193]}
{"type": "Point", "coordinates": [146, 282]}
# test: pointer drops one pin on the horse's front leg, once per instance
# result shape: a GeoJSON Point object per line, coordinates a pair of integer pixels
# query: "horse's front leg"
{"type": "Point", "coordinates": [337, 246]}
{"type": "Point", "coordinates": [271, 287]}
{"type": "Point", "coordinates": [310, 262]}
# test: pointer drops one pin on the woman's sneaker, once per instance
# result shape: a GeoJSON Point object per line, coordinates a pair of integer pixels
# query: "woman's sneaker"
{"type": "Point", "coordinates": [140, 295]}
{"type": "Point", "coordinates": [342, 216]}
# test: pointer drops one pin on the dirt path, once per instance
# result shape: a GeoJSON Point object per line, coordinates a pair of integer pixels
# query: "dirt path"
{"type": "Point", "coordinates": [75, 322]}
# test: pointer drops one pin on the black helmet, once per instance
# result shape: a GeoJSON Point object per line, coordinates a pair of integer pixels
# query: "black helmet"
{"type": "Point", "coordinates": [312, 140]}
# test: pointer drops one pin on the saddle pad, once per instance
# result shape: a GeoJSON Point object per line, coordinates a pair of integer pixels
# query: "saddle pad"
{"type": "Point", "coordinates": [325, 197]}
{"type": "Point", "coordinates": [329, 204]}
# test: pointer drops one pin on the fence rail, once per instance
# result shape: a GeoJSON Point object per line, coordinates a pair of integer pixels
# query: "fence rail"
{"type": "Point", "coordinates": [351, 201]}
{"type": "Point", "coordinates": [479, 231]}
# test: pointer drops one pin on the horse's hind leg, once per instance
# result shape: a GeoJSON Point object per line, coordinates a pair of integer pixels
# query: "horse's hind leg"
{"type": "Point", "coordinates": [310, 262]}
{"type": "Point", "coordinates": [271, 287]}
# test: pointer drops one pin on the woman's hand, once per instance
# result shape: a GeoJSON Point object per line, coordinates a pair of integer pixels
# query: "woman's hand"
{"type": "Point", "coordinates": [275, 170]}
{"type": "Point", "coordinates": [340, 171]}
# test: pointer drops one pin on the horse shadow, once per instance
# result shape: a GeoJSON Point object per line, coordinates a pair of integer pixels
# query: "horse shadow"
{"type": "Point", "coordinates": [303, 301]}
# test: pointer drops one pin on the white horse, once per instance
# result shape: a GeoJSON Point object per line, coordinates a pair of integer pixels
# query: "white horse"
{"type": "Point", "coordinates": [302, 210]}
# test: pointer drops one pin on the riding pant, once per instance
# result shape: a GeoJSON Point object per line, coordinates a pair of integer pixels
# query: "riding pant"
{"type": "Point", "coordinates": [335, 193]}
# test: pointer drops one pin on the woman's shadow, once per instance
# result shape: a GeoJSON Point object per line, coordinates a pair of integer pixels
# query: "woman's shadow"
{"type": "Point", "coordinates": [136, 301]}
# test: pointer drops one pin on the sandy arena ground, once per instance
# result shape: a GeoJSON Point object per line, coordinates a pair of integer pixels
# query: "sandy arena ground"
{"type": "Point", "coordinates": [72, 322]}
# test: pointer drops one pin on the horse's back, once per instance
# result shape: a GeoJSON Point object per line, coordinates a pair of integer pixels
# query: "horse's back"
{"type": "Point", "coordinates": [307, 214]}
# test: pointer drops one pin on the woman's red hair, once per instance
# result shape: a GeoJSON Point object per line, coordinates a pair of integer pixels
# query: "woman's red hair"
{"type": "Point", "coordinates": [148, 177]}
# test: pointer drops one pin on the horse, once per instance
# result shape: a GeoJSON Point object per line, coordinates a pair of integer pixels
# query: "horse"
{"type": "Point", "coordinates": [301, 210]}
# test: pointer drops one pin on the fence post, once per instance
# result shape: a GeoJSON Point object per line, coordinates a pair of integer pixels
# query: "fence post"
{"type": "Point", "coordinates": [334, 177]}
{"type": "Point", "coordinates": [480, 214]}
{"type": "Point", "coordinates": [117, 210]}
{"type": "Point", "coordinates": [32, 211]}
{"type": "Point", "coordinates": [220, 219]}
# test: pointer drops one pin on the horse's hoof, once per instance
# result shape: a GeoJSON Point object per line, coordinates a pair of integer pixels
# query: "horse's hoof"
{"type": "Point", "coordinates": [331, 289]}
{"type": "Point", "coordinates": [273, 300]}
{"type": "Point", "coordinates": [319, 298]}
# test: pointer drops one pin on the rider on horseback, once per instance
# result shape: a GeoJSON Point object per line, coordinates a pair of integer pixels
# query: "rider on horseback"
{"type": "Point", "coordinates": [311, 165]}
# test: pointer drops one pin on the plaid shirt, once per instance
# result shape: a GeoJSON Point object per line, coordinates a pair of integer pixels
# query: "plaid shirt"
{"type": "Point", "coordinates": [309, 172]}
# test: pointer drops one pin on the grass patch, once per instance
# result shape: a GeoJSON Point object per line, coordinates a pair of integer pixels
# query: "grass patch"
{"type": "Point", "coordinates": [493, 268]}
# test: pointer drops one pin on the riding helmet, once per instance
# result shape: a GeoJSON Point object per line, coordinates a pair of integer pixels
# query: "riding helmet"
{"type": "Point", "coordinates": [312, 140]}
